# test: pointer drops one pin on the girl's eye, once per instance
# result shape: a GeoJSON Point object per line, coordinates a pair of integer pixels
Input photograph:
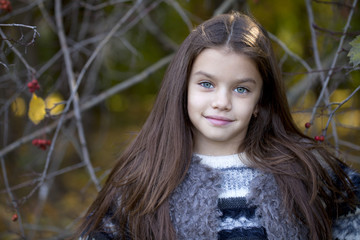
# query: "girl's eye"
{"type": "Point", "coordinates": [206, 85]}
{"type": "Point", "coordinates": [241, 90]}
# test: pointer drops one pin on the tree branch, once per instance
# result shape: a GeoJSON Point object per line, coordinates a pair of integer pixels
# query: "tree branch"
{"type": "Point", "coordinates": [326, 82]}
{"type": "Point", "coordinates": [339, 106]}
{"type": "Point", "coordinates": [88, 104]}
{"type": "Point", "coordinates": [71, 81]}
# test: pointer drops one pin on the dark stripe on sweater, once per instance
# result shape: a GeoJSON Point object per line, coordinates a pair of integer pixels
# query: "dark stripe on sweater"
{"type": "Point", "coordinates": [243, 233]}
{"type": "Point", "coordinates": [235, 208]}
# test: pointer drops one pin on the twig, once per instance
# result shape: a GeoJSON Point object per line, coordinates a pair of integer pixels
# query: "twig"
{"type": "Point", "coordinates": [349, 126]}
{"type": "Point", "coordinates": [13, 200]}
{"type": "Point", "coordinates": [340, 4]}
{"type": "Point", "coordinates": [88, 104]}
{"type": "Point", "coordinates": [46, 16]}
{"type": "Point", "coordinates": [339, 105]}
{"type": "Point", "coordinates": [313, 37]}
{"type": "Point", "coordinates": [5, 66]}
{"type": "Point", "coordinates": [104, 41]}
{"type": "Point", "coordinates": [350, 145]}
{"type": "Point", "coordinates": [156, 32]}
{"type": "Point", "coordinates": [85, 23]}
{"type": "Point", "coordinates": [18, 11]}
{"type": "Point", "coordinates": [5, 177]}
{"type": "Point", "coordinates": [126, 84]}
{"type": "Point", "coordinates": [34, 28]}
{"type": "Point", "coordinates": [48, 177]}
{"type": "Point", "coordinates": [17, 53]}
{"type": "Point", "coordinates": [336, 69]}
{"type": "Point", "coordinates": [326, 82]}
{"type": "Point", "coordinates": [101, 5]}
{"type": "Point", "coordinates": [181, 12]}
{"type": "Point", "coordinates": [223, 7]}
{"type": "Point", "coordinates": [71, 79]}
{"type": "Point", "coordinates": [290, 53]}
{"type": "Point", "coordinates": [355, 33]}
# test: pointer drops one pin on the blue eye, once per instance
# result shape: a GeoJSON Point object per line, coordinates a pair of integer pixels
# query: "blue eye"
{"type": "Point", "coordinates": [241, 90]}
{"type": "Point", "coordinates": [206, 85]}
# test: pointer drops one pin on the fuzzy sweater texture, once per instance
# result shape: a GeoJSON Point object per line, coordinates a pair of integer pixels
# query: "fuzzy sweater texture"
{"type": "Point", "coordinates": [238, 219]}
{"type": "Point", "coordinates": [195, 212]}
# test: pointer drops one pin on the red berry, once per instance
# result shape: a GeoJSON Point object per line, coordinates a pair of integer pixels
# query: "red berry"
{"type": "Point", "coordinates": [321, 138]}
{"type": "Point", "coordinates": [14, 217]}
{"type": "Point", "coordinates": [5, 5]}
{"type": "Point", "coordinates": [41, 143]}
{"type": "Point", "coordinates": [33, 85]}
{"type": "Point", "coordinates": [307, 125]}
{"type": "Point", "coordinates": [317, 138]}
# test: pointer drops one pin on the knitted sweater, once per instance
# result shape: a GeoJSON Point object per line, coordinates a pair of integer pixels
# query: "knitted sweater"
{"type": "Point", "coordinates": [238, 219]}
{"type": "Point", "coordinates": [195, 212]}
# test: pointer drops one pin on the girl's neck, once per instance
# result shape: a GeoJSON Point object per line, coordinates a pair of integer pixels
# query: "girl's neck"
{"type": "Point", "coordinates": [217, 149]}
{"type": "Point", "coordinates": [238, 159]}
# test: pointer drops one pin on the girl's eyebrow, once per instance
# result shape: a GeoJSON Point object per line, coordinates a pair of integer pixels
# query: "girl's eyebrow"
{"type": "Point", "coordinates": [240, 80]}
{"type": "Point", "coordinates": [208, 75]}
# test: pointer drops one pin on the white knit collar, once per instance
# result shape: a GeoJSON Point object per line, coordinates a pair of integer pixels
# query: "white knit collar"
{"type": "Point", "coordinates": [234, 160]}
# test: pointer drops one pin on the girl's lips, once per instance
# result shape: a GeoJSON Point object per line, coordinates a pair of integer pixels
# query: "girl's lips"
{"type": "Point", "coordinates": [218, 121]}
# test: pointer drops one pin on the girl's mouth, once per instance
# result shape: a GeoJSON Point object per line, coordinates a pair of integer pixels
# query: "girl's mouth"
{"type": "Point", "coordinates": [218, 120]}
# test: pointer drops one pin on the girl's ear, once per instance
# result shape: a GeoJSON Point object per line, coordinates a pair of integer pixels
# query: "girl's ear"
{"type": "Point", "coordinates": [256, 111]}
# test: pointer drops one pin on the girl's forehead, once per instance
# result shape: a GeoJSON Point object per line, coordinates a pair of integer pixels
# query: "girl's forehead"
{"type": "Point", "coordinates": [220, 63]}
{"type": "Point", "coordinates": [221, 54]}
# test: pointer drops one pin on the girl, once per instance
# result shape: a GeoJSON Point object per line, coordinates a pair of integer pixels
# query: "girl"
{"type": "Point", "coordinates": [220, 157]}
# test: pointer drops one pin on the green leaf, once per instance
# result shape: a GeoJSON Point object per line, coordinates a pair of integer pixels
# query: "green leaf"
{"type": "Point", "coordinates": [354, 53]}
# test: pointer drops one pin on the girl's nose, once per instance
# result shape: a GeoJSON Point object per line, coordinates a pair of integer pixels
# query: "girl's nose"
{"type": "Point", "coordinates": [222, 101]}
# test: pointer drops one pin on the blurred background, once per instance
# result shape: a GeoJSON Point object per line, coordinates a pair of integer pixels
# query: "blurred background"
{"type": "Point", "coordinates": [79, 78]}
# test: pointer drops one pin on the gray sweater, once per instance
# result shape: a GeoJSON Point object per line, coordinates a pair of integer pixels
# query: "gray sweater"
{"type": "Point", "coordinates": [195, 214]}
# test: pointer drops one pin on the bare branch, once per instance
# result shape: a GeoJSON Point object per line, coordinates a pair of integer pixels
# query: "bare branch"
{"type": "Point", "coordinates": [354, 33]}
{"type": "Point", "coordinates": [34, 28]}
{"type": "Point", "coordinates": [48, 177]}
{"type": "Point", "coordinates": [19, 11]}
{"type": "Point", "coordinates": [313, 37]}
{"type": "Point", "coordinates": [339, 106]}
{"type": "Point", "coordinates": [101, 5]}
{"type": "Point", "coordinates": [30, 69]}
{"type": "Point", "coordinates": [291, 54]}
{"type": "Point", "coordinates": [13, 200]}
{"type": "Point", "coordinates": [223, 7]}
{"type": "Point", "coordinates": [340, 4]}
{"type": "Point", "coordinates": [71, 80]}
{"type": "Point", "coordinates": [87, 105]}
{"type": "Point", "coordinates": [181, 12]}
{"type": "Point", "coordinates": [326, 82]}
{"type": "Point", "coordinates": [350, 145]}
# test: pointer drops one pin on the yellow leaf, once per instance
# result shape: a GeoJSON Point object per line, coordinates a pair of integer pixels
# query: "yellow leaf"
{"type": "Point", "coordinates": [18, 107]}
{"type": "Point", "coordinates": [53, 103]}
{"type": "Point", "coordinates": [36, 109]}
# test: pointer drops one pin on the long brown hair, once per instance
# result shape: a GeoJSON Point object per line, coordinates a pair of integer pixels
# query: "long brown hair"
{"type": "Point", "coordinates": [156, 162]}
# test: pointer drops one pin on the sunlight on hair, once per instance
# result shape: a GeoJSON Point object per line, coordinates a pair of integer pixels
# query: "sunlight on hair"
{"type": "Point", "coordinates": [253, 34]}
{"type": "Point", "coordinates": [232, 22]}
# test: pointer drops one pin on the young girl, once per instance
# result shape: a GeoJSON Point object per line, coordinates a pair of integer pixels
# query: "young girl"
{"type": "Point", "coordinates": [220, 157]}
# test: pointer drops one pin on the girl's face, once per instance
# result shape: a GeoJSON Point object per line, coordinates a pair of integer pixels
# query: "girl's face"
{"type": "Point", "coordinates": [224, 88]}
